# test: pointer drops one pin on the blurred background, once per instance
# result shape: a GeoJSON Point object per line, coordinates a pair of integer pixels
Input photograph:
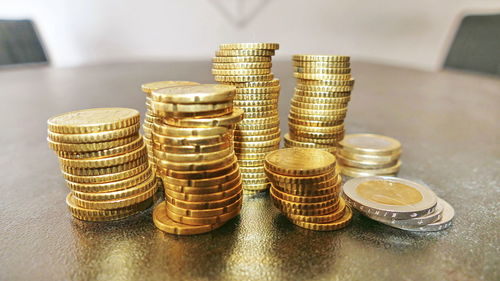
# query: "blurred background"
{"type": "Point", "coordinates": [416, 34]}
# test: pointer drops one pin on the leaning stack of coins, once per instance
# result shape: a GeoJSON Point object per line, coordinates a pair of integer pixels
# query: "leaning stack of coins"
{"type": "Point", "coordinates": [104, 161]}
{"type": "Point", "coordinates": [193, 146]}
{"type": "Point", "coordinates": [150, 118]}
{"type": "Point", "coordinates": [399, 203]}
{"type": "Point", "coordinates": [361, 155]}
{"type": "Point", "coordinates": [306, 187]}
{"type": "Point", "coordinates": [247, 66]}
{"type": "Point", "coordinates": [319, 105]}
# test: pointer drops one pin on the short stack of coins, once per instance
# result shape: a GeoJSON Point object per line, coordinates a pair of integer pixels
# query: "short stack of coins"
{"type": "Point", "coordinates": [306, 187]}
{"type": "Point", "coordinates": [247, 66]}
{"type": "Point", "coordinates": [361, 155]}
{"type": "Point", "coordinates": [104, 161]}
{"type": "Point", "coordinates": [399, 203]}
{"type": "Point", "coordinates": [193, 146]}
{"type": "Point", "coordinates": [319, 104]}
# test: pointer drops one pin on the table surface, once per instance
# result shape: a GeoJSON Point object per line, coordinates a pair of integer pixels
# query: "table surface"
{"type": "Point", "coordinates": [447, 122]}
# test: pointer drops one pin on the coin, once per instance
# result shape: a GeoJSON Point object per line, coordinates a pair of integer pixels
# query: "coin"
{"type": "Point", "coordinates": [196, 166]}
{"type": "Point", "coordinates": [232, 72]}
{"type": "Point", "coordinates": [319, 70]}
{"type": "Point", "coordinates": [367, 157]}
{"type": "Point", "coordinates": [317, 135]}
{"type": "Point", "coordinates": [204, 140]}
{"type": "Point", "coordinates": [305, 122]}
{"type": "Point", "coordinates": [200, 174]}
{"type": "Point", "coordinates": [370, 144]}
{"type": "Point", "coordinates": [330, 112]}
{"type": "Point", "coordinates": [250, 109]}
{"type": "Point", "coordinates": [202, 221]}
{"type": "Point", "coordinates": [319, 94]}
{"type": "Point", "coordinates": [335, 215]}
{"type": "Point", "coordinates": [301, 206]}
{"type": "Point", "coordinates": [252, 97]}
{"type": "Point", "coordinates": [240, 133]}
{"type": "Point", "coordinates": [246, 170]}
{"type": "Point", "coordinates": [300, 100]}
{"type": "Point", "coordinates": [313, 138]}
{"type": "Point", "coordinates": [204, 190]}
{"type": "Point", "coordinates": [303, 199]}
{"type": "Point", "coordinates": [203, 182]}
{"type": "Point", "coordinates": [150, 87]}
{"type": "Point", "coordinates": [255, 144]}
{"type": "Point", "coordinates": [219, 121]}
{"type": "Point", "coordinates": [301, 180]}
{"type": "Point", "coordinates": [300, 161]}
{"type": "Point", "coordinates": [256, 103]}
{"type": "Point", "coordinates": [93, 120]}
{"type": "Point", "coordinates": [250, 162]}
{"type": "Point", "coordinates": [245, 150]}
{"type": "Point", "coordinates": [192, 157]}
{"type": "Point", "coordinates": [105, 178]}
{"type": "Point", "coordinates": [240, 59]}
{"type": "Point", "coordinates": [294, 143]}
{"type": "Point", "coordinates": [365, 164]}
{"type": "Point", "coordinates": [256, 187]}
{"type": "Point", "coordinates": [356, 172]}
{"type": "Point", "coordinates": [337, 224]}
{"type": "Point", "coordinates": [261, 120]}
{"type": "Point", "coordinates": [326, 58]}
{"type": "Point", "coordinates": [445, 221]}
{"type": "Point", "coordinates": [318, 117]}
{"type": "Point", "coordinates": [260, 114]}
{"type": "Point", "coordinates": [203, 198]}
{"type": "Point", "coordinates": [260, 138]}
{"type": "Point", "coordinates": [91, 147]}
{"type": "Point", "coordinates": [133, 145]}
{"type": "Point", "coordinates": [320, 64]}
{"type": "Point", "coordinates": [258, 90]}
{"type": "Point", "coordinates": [104, 162]}
{"type": "Point", "coordinates": [244, 78]}
{"type": "Point", "coordinates": [203, 204]}
{"type": "Point", "coordinates": [303, 212]}
{"type": "Point", "coordinates": [100, 136]}
{"type": "Point", "coordinates": [337, 129]}
{"type": "Point", "coordinates": [174, 131]}
{"type": "Point", "coordinates": [255, 84]}
{"type": "Point", "coordinates": [194, 94]}
{"type": "Point", "coordinates": [244, 53]}
{"type": "Point", "coordinates": [298, 186]}
{"type": "Point", "coordinates": [253, 175]}
{"type": "Point", "coordinates": [318, 106]}
{"type": "Point", "coordinates": [324, 88]}
{"type": "Point", "coordinates": [251, 156]}
{"type": "Point", "coordinates": [170, 109]}
{"type": "Point", "coordinates": [105, 170]}
{"type": "Point", "coordinates": [389, 197]}
{"type": "Point", "coordinates": [257, 127]}
{"type": "Point", "coordinates": [252, 46]}
{"type": "Point", "coordinates": [236, 65]}
{"type": "Point", "coordinates": [189, 149]}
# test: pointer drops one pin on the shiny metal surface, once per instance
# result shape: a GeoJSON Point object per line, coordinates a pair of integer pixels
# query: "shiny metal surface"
{"type": "Point", "coordinates": [447, 123]}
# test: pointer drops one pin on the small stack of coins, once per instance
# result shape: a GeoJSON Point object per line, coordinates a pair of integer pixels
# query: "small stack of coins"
{"type": "Point", "coordinates": [193, 146]}
{"type": "Point", "coordinates": [399, 203]}
{"type": "Point", "coordinates": [361, 155]}
{"type": "Point", "coordinates": [306, 188]}
{"type": "Point", "coordinates": [149, 118]}
{"type": "Point", "coordinates": [247, 66]}
{"type": "Point", "coordinates": [319, 105]}
{"type": "Point", "coordinates": [104, 161]}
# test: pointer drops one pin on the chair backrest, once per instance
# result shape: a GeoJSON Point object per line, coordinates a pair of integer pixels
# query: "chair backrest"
{"type": "Point", "coordinates": [476, 46]}
{"type": "Point", "coordinates": [19, 43]}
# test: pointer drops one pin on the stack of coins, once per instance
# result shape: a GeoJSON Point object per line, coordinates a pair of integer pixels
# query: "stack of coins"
{"type": "Point", "coordinates": [149, 117]}
{"type": "Point", "coordinates": [319, 105]}
{"type": "Point", "coordinates": [306, 187]}
{"type": "Point", "coordinates": [193, 146]}
{"type": "Point", "coordinates": [247, 66]}
{"type": "Point", "coordinates": [104, 161]}
{"type": "Point", "coordinates": [399, 203]}
{"type": "Point", "coordinates": [361, 155]}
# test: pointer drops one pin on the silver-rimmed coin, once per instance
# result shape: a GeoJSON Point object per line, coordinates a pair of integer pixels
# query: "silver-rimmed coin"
{"type": "Point", "coordinates": [390, 197]}
{"type": "Point", "coordinates": [445, 221]}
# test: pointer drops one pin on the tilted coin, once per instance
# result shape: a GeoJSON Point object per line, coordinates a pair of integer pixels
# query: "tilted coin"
{"type": "Point", "coordinates": [231, 72]}
{"type": "Point", "coordinates": [104, 162]}
{"type": "Point", "coordinates": [251, 46]}
{"type": "Point", "coordinates": [260, 114]}
{"type": "Point", "coordinates": [356, 172]}
{"type": "Point", "coordinates": [318, 70]}
{"type": "Point", "coordinates": [202, 221]}
{"type": "Point", "coordinates": [325, 82]}
{"type": "Point", "coordinates": [173, 131]}
{"type": "Point", "coordinates": [255, 84]}
{"type": "Point", "coordinates": [258, 90]}
{"type": "Point", "coordinates": [249, 144]}
{"type": "Point", "coordinates": [203, 204]}
{"type": "Point", "coordinates": [300, 161]}
{"type": "Point", "coordinates": [152, 86]}
{"type": "Point", "coordinates": [259, 138]}
{"type": "Point", "coordinates": [313, 100]}
{"type": "Point", "coordinates": [327, 112]}
{"type": "Point", "coordinates": [166, 109]}
{"type": "Point", "coordinates": [244, 53]}
{"type": "Point", "coordinates": [203, 198]}
{"type": "Point", "coordinates": [204, 190]}
{"type": "Point", "coordinates": [251, 97]}
{"type": "Point", "coordinates": [318, 106]}
{"type": "Point", "coordinates": [365, 164]}
{"type": "Point", "coordinates": [107, 177]}
{"type": "Point", "coordinates": [194, 94]}
{"type": "Point", "coordinates": [133, 145]}
{"type": "Point", "coordinates": [192, 157]}
{"type": "Point", "coordinates": [191, 175]}
{"type": "Point", "coordinates": [445, 221]}
{"type": "Point", "coordinates": [220, 121]}
{"type": "Point", "coordinates": [316, 117]}
{"type": "Point", "coordinates": [203, 182]}
{"type": "Point", "coordinates": [189, 149]}
{"type": "Point", "coordinates": [93, 120]}
{"type": "Point", "coordinates": [327, 58]}
{"type": "Point", "coordinates": [257, 127]}
{"type": "Point", "coordinates": [370, 144]}
{"type": "Point", "coordinates": [196, 166]}
{"type": "Point", "coordinates": [303, 199]}
{"type": "Point", "coordinates": [390, 197]}
{"type": "Point", "coordinates": [244, 78]}
{"type": "Point", "coordinates": [236, 65]}
{"type": "Point", "coordinates": [240, 59]}
{"type": "Point", "coordinates": [329, 226]}
{"type": "Point", "coordinates": [256, 103]}
{"type": "Point", "coordinates": [91, 147]}
{"type": "Point", "coordinates": [203, 140]}
{"type": "Point", "coordinates": [330, 217]}
{"type": "Point", "coordinates": [105, 170]}
{"type": "Point", "coordinates": [301, 180]}
{"type": "Point", "coordinates": [96, 136]}
{"type": "Point", "coordinates": [320, 64]}
{"type": "Point", "coordinates": [368, 157]}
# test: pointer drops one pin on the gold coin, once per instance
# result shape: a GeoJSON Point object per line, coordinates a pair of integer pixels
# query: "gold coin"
{"type": "Point", "coordinates": [316, 94]}
{"type": "Point", "coordinates": [256, 187]}
{"type": "Point", "coordinates": [301, 180]}
{"type": "Point", "coordinates": [251, 65]}
{"type": "Point", "coordinates": [253, 192]}
{"type": "Point", "coordinates": [192, 157]}
{"type": "Point", "coordinates": [255, 84]}
{"type": "Point", "coordinates": [107, 177]}
{"type": "Point", "coordinates": [149, 118]}
{"type": "Point", "coordinates": [252, 170]}
{"type": "Point", "coordinates": [251, 46]}
{"type": "Point", "coordinates": [253, 175]}
{"type": "Point", "coordinates": [316, 88]}
{"type": "Point", "coordinates": [298, 186]}
{"type": "Point", "coordinates": [204, 114]}
{"type": "Point", "coordinates": [300, 161]}
{"type": "Point", "coordinates": [202, 221]}
{"type": "Point", "coordinates": [152, 86]}
{"type": "Point", "coordinates": [311, 212]}
{"type": "Point", "coordinates": [331, 112]}
{"type": "Point", "coordinates": [365, 164]}
{"type": "Point", "coordinates": [318, 106]}
{"type": "Point", "coordinates": [328, 149]}
{"type": "Point", "coordinates": [138, 142]}
{"type": "Point", "coordinates": [303, 199]}
{"type": "Point", "coordinates": [93, 120]}
{"type": "Point", "coordinates": [203, 198]}
{"type": "Point", "coordinates": [244, 78]}
{"type": "Point", "coordinates": [339, 129]}
{"type": "Point", "coordinates": [251, 156]}
{"type": "Point", "coordinates": [338, 224]}
{"type": "Point", "coordinates": [117, 194]}
{"type": "Point", "coordinates": [166, 109]}
{"type": "Point", "coordinates": [239, 59]}
{"type": "Point", "coordinates": [356, 172]}
{"type": "Point", "coordinates": [202, 182]}
{"type": "Point", "coordinates": [335, 189]}
{"type": "Point", "coordinates": [106, 215]}
{"type": "Point", "coordinates": [370, 144]}
{"type": "Point", "coordinates": [240, 133]}
{"type": "Point", "coordinates": [104, 162]}
{"type": "Point", "coordinates": [220, 121]}
{"type": "Point", "coordinates": [316, 117]}
{"type": "Point", "coordinates": [313, 100]}
{"type": "Point", "coordinates": [116, 203]}
{"type": "Point", "coordinates": [367, 157]}
{"type": "Point", "coordinates": [258, 91]}
{"type": "Point", "coordinates": [256, 103]}
{"type": "Point", "coordinates": [335, 215]}
{"type": "Point", "coordinates": [194, 94]}
{"type": "Point", "coordinates": [250, 162]}
{"type": "Point", "coordinates": [245, 150]}
{"type": "Point", "coordinates": [261, 114]}
{"type": "Point", "coordinates": [204, 190]}
{"type": "Point", "coordinates": [321, 64]}
{"type": "Point", "coordinates": [204, 140]}
{"type": "Point", "coordinates": [249, 109]}
{"type": "Point", "coordinates": [249, 144]}
{"type": "Point", "coordinates": [232, 72]}
{"type": "Point", "coordinates": [326, 58]}
{"type": "Point", "coordinates": [257, 138]}
{"type": "Point", "coordinates": [165, 224]}
{"type": "Point", "coordinates": [196, 166]}
{"type": "Point", "coordinates": [257, 127]}
{"type": "Point", "coordinates": [325, 82]}
{"type": "Point", "coordinates": [203, 204]}
{"type": "Point", "coordinates": [254, 97]}
{"type": "Point", "coordinates": [192, 175]}
{"type": "Point", "coordinates": [288, 139]}
{"type": "Point", "coordinates": [317, 70]}
{"type": "Point", "coordinates": [91, 147]}
{"type": "Point", "coordinates": [95, 137]}
{"type": "Point", "coordinates": [251, 181]}
{"type": "Point", "coordinates": [302, 206]}
{"type": "Point", "coordinates": [107, 170]}
{"type": "Point", "coordinates": [244, 53]}
{"type": "Point", "coordinates": [174, 131]}
{"type": "Point", "coordinates": [262, 120]}
{"type": "Point", "coordinates": [312, 123]}
{"type": "Point", "coordinates": [333, 141]}
{"type": "Point", "coordinates": [189, 149]}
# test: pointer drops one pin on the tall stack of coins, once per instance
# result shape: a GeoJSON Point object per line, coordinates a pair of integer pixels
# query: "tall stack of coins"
{"type": "Point", "coordinates": [193, 146]}
{"type": "Point", "coordinates": [361, 155]}
{"type": "Point", "coordinates": [319, 105]}
{"type": "Point", "coordinates": [247, 66]}
{"type": "Point", "coordinates": [399, 203]}
{"type": "Point", "coordinates": [149, 117]}
{"type": "Point", "coordinates": [306, 187]}
{"type": "Point", "coordinates": [104, 161]}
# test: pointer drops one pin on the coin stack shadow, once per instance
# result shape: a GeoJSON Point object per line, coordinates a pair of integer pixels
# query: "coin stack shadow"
{"type": "Point", "coordinates": [319, 104]}
{"type": "Point", "coordinates": [361, 155]}
{"type": "Point", "coordinates": [193, 146]}
{"type": "Point", "coordinates": [306, 187]}
{"type": "Point", "coordinates": [104, 161]}
{"type": "Point", "coordinates": [247, 66]}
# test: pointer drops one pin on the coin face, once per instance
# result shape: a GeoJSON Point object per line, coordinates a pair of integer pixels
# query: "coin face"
{"type": "Point", "coordinates": [204, 93]}
{"type": "Point", "coordinates": [149, 87]}
{"type": "Point", "coordinates": [370, 144]}
{"type": "Point", "coordinates": [389, 193]}
{"type": "Point", "coordinates": [300, 161]}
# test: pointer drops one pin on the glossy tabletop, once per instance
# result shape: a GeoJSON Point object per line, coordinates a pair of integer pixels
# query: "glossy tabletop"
{"type": "Point", "coordinates": [448, 123]}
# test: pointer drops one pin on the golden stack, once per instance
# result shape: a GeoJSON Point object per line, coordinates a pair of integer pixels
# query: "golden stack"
{"type": "Point", "coordinates": [306, 188]}
{"type": "Point", "coordinates": [104, 161]}
{"type": "Point", "coordinates": [149, 117]}
{"type": "Point", "coordinates": [193, 146]}
{"type": "Point", "coordinates": [247, 66]}
{"type": "Point", "coordinates": [319, 105]}
{"type": "Point", "coordinates": [362, 155]}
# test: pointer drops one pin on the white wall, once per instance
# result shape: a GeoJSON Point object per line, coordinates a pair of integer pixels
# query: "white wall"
{"type": "Point", "coordinates": [402, 32]}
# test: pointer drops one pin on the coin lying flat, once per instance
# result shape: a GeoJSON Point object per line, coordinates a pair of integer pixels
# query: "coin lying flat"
{"type": "Point", "coordinates": [195, 94]}
{"type": "Point", "coordinates": [325, 58]}
{"type": "Point", "coordinates": [250, 46]}
{"type": "Point", "coordinates": [337, 224]}
{"type": "Point", "coordinates": [100, 136]}
{"type": "Point", "coordinates": [370, 144]}
{"type": "Point", "coordinates": [300, 161]}
{"type": "Point", "coordinates": [244, 65]}
{"type": "Point", "coordinates": [356, 172]}
{"type": "Point", "coordinates": [220, 121]}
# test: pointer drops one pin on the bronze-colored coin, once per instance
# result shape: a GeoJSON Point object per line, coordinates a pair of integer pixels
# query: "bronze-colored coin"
{"type": "Point", "coordinates": [249, 144]}
{"type": "Point", "coordinates": [257, 127]}
{"type": "Point", "coordinates": [255, 84]}
{"type": "Point", "coordinates": [327, 89]}
{"type": "Point", "coordinates": [300, 161]}
{"type": "Point", "coordinates": [167, 109]}
{"type": "Point", "coordinates": [107, 177]}
{"type": "Point", "coordinates": [244, 78]}
{"type": "Point", "coordinates": [331, 112]}
{"type": "Point", "coordinates": [338, 224]}
{"type": "Point", "coordinates": [295, 143]}
{"type": "Point", "coordinates": [320, 129]}
{"type": "Point", "coordinates": [95, 137]}
{"type": "Point", "coordinates": [262, 120]}
{"type": "Point", "coordinates": [220, 121]}
{"type": "Point", "coordinates": [202, 221]}
{"type": "Point", "coordinates": [297, 186]}
{"type": "Point", "coordinates": [317, 70]}
{"type": "Point", "coordinates": [273, 97]}
{"type": "Point", "coordinates": [92, 120]}
{"type": "Point", "coordinates": [204, 190]}
{"type": "Point", "coordinates": [301, 180]}
{"type": "Point", "coordinates": [257, 138]}
{"type": "Point", "coordinates": [206, 140]}
{"type": "Point", "coordinates": [365, 164]}
{"type": "Point", "coordinates": [250, 162]}
{"type": "Point", "coordinates": [152, 86]}
{"type": "Point", "coordinates": [326, 58]}
{"type": "Point", "coordinates": [329, 149]}
{"type": "Point", "coordinates": [257, 187]}
{"type": "Point", "coordinates": [91, 147]}
{"type": "Point", "coordinates": [258, 91]}
{"type": "Point", "coordinates": [193, 94]}
{"type": "Point", "coordinates": [106, 170]}
{"type": "Point", "coordinates": [324, 141]}
{"type": "Point", "coordinates": [246, 150]}
{"type": "Point", "coordinates": [262, 114]}
{"type": "Point", "coordinates": [318, 106]}
{"type": "Point", "coordinates": [253, 175]}
{"type": "Point", "coordinates": [240, 59]}
{"type": "Point", "coordinates": [251, 181]}
{"type": "Point", "coordinates": [312, 100]}
{"type": "Point", "coordinates": [270, 131]}
{"type": "Point", "coordinates": [193, 157]}
{"type": "Point", "coordinates": [165, 224]}
{"type": "Point", "coordinates": [174, 131]}
{"type": "Point", "coordinates": [244, 65]}
{"type": "Point", "coordinates": [317, 94]}
{"type": "Point", "coordinates": [135, 144]}
{"type": "Point", "coordinates": [335, 215]}
{"type": "Point", "coordinates": [335, 189]}
{"type": "Point", "coordinates": [203, 205]}
{"type": "Point", "coordinates": [244, 53]}
{"type": "Point", "coordinates": [311, 212]}
{"type": "Point", "coordinates": [252, 170]}
{"type": "Point", "coordinates": [253, 192]}
{"type": "Point", "coordinates": [196, 166]}
{"type": "Point", "coordinates": [202, 182]}
{"type": "Point", "coordinates": [315, 135]}
{"type": "Point", "coordinates": [316, 117]}
{"type": "Point", "coordinates": [256, 103]}
{"type": "Point", "coordinates": [250, 109]}
{"type": "Point", "coordinates": [203, 198]}
{"type": "Point", "coordinates": [251, 156]}
{"type": "Point", "coordinates": [285, 204]}
{"type": "Point", "coordinates": [303, 199]}
{"type": "Point", "coordinates": [304, 122]}
{"type": "Point", "coordinates": [187, 149]}
{"type": "Point", "coordinates": [320, 64]}
{"type": "Point", "coordinates": [250, 46]}
{"type": "Point", "coordinates": [199, 114]}
{"type": "Point", "coordinates": [325, 82]}
{"type": "Point", "coordinates": [104, 162]}
{"type": "Point", "coordinates": [231, 72]}
{"type": "Point", "coordinates": [193, 175]}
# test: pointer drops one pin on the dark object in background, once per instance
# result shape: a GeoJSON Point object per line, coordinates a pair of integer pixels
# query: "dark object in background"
{"type": "Point", "coordinates": [476, 46]}
{"type": "Point", "coordinates": [19, 43]}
